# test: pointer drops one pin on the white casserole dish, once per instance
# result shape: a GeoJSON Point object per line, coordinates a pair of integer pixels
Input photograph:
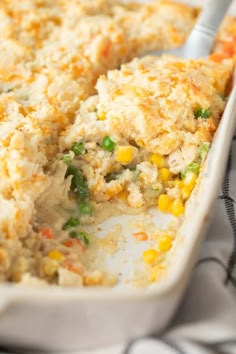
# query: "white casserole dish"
{"type": "Point", "coordinates": [66, 319]}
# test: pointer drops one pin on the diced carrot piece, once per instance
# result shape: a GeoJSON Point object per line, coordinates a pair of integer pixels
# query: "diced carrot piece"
{"type": "Point", "coordinates": [47, 233]}
{"type": "Point", "coordinates": [74, 243]}
{"type": "Point", "coordinates": [212, 124]}
{"type": "Point", "coordinates": [140, 236]}
{"type": "Point", "coordinates": [106, 50]}
{"type": "Point", "coordinates": [73, 268]}
{"type": "Point", "coordinates": [218, 57]}
{"type": "Point", "coordinates": [69, 243]}
{"type": "Point", "coordinates": [228, 48]}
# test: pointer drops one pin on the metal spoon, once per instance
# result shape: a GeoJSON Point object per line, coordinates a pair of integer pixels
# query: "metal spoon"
{"type": "Point", "coordinates": [200, 41]}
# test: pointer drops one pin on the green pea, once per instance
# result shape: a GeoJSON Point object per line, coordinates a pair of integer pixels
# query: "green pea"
{"type": "Point", "coordinates": [82, 236]}
{"type": "Point", "coordinates": [202, 113]}
{"type": "Point", "coordinates": [78, 183]}
{"type": "Point", "coordinates": [71, 222]}
{"type": "Point", "coordinates": [203, 150]}
{"type": "Point", "coordinates": [73, 234]}
{"type": "Point", "coordinates": [78, 148]}
{"type": "Point", "coordinates": [192, 167]}
{"type": "Point", "coordinates": [85, 208]}
{"type": "Point", "coordinates": [108, 144]}
{"type": "Point", "coordinates": [67, 159]}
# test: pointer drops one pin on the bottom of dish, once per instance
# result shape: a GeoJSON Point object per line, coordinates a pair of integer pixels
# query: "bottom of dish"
{"type": "Point", "coordinates": [124, 251]}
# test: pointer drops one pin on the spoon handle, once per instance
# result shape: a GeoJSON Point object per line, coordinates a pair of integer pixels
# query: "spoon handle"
{"type": "Point", "coordinates": [202, 36]}
{"type": "Point", "coordinates": [212, 15]}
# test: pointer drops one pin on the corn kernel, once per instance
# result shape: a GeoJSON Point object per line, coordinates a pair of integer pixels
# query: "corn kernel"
{"type": "Point", "coordinates": [93, 278]}
{"type": "Point", "coordinates": [158, 160]}
{"type": "Point", "coordinates": [55, 254]}
{"type": "Point", "coordinates": [163, 202]}
{"type": "Point", "coordinates": [165, 243]}
{"type": "Point", "coordinates": [51, 267]}
{"type": "Point", "coordinates": [102, 116]}
{"type": "Point", "coordinates": [150, 256]}
{"type": "Point", "coordinates": [156, 273]}
{"type": "Point", "coordinates": [179, 184]}
{"type": "Point", "coordinates": [164, 174]}
{"type": "Point", "coordinates": [123, 194]}
{"type": "Point", "coordinates": [186, 192]}
{"type": "Point", "coordinates": [190, 180]}
{"type": "Point", "coordinates": [170, 183]}
{"type": "Point", "coordinates": [124, 154]}
{"type": "Point", "coordinates": [140, 142]}
{"type": "Point", "coordinates": [177, 208]}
